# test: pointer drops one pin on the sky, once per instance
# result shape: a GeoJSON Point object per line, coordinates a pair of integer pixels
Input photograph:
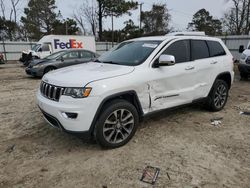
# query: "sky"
{"type": "Point", "coordinates": [181, 11]}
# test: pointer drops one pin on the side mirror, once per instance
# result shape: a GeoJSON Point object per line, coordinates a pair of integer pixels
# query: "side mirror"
{"type": "Point", "coordinates": [241, 49]}
{"type": "Point", "coordinates": [62, 59]}
{"type": "Point", "coordinates": [40, 50]}
{"type": "Point", "coordinates": [166, 60]}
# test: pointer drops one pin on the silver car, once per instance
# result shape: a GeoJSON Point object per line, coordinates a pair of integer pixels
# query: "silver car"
{"type": "Point", "coordinates": [39, 67]}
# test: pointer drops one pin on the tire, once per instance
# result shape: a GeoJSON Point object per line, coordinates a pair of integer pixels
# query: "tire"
{"type": "Point", "coordinates": [243, 75]}
{"type": "Point", "coordinates": [110, 130]}
{"type": "Point", "coordinates": [218, 96]}
{"type": "Point", "coordinates": [48, 69]}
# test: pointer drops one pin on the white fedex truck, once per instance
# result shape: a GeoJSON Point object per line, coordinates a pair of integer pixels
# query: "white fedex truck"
{"type": "Point", "coordinates": [54, 43]}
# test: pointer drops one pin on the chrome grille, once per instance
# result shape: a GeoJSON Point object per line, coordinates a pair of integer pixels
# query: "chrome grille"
{"type": "Point", "coordinates": [51, 92]}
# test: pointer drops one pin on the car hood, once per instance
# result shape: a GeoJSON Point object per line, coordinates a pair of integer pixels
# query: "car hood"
{"type": "Point", "coordinates": [39, 61]}
{"type": "Point", "coordinates": [80, 75]}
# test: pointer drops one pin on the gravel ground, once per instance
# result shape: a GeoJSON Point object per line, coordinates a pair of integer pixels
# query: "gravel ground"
{"type": "Point", "coordinates": [189, 150]}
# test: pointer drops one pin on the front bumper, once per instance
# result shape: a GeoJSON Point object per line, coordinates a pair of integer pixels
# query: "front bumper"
{"type": "Point", "coordinates": [54, 112]}
{"type": "Point", "coordinates": [244, 68]}
{"type": "Point", "coordinates": [34, 72]}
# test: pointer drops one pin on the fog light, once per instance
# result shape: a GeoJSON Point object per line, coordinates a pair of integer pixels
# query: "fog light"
{"type": "Point", "coordinates": [70, 115]}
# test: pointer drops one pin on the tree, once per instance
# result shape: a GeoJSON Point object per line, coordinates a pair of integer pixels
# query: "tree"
{"type": "Point", "coordinates": [14, 9]}
{"type": "Point", "coordinates": [130, 31]}
{"type": "Point", "coordinates": [237, 20]}
{"type": "Point", "coordinates": [112, 8]}
{"type": "Point", "coordinates": [8, 29]}
{"type": "Point", "coordinates": [2, 5]}
{"type": "Point", "coordinates": [39, 18]}
{"type": "Point", "coordinates": [65, 27]}
{"type": "Point", "coordinates": [86, 15]}
{"type": "Point", "coordinates": [203, 21]}
{"type": "Point", "coordinates": [156, 21]}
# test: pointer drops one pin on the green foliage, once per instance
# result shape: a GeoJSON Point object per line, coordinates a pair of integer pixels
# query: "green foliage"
{"type": "Point", "coordinates": [8, 29]}
{"type": "Point", "coordinates": [156, 21]}
{"type": "Point", "coordinates": [113, 7]}
{"type": "Point", "coordinates": [203, 21]}
{"type": "Point", "coordinates": [237, 19]}
{"type": "Point", "coordinates": [68, 26]}
{"type": "Point", "coordinates": [39, 18]}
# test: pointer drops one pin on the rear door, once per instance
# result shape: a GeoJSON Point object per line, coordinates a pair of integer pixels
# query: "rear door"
{"type": "Point", "coordinates": [207, 57]}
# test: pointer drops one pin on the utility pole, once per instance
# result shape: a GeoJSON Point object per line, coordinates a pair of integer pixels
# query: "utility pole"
{"type": "Point", "coordinates": [140, 13]}
{"type": "Point", "coordinates": [66, 25]}
{"type": "Point", "coordinates": [112, 18]}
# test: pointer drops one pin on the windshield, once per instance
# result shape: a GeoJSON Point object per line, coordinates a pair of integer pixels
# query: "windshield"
{"type": "Point", "coordinates": [35, 48]}
{"type": "Point", "coordinates": [54, 55]}
{"type": "Point", "coordinates": [131, 53]}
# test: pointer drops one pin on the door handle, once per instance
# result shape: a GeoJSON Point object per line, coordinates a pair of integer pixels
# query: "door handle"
{"type": "Point", "coordinates": [215, 62]}
{"type": "Point", "coordinates": [189, 68]}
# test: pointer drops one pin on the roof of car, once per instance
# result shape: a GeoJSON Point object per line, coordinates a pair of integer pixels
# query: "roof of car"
{"type": "Point", "coordinates": [169, 37]}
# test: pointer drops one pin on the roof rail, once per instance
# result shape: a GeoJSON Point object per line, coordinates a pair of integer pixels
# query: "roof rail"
{"type": "Point", "coordinates": [187, 33]}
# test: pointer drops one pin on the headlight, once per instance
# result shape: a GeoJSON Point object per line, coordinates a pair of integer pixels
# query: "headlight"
{"type": "Point", "coordinates": [77, 92]}
{"type": "Point", "coordinates": [37, 66]}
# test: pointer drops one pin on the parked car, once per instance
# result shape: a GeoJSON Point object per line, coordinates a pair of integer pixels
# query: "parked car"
{"type": "Point", "coordinates": [54, 43]}
{"type": "Point", "coordinates": [108, 99]}
{"type": "Point", "coordinates": [39, 67]}
{"type": "Point", "coordinates": [244, 66]}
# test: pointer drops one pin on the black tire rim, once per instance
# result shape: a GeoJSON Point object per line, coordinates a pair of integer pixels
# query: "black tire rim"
{"type": "Point", "coordinates": [220, 96]}
{"type": "Point", "coordinates": [118, 126]}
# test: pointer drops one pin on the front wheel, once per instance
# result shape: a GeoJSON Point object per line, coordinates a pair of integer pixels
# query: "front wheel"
{"type": "Point", "coordinates": [117, 124]}
{"type": "Point", "coordinates": [218, 95]}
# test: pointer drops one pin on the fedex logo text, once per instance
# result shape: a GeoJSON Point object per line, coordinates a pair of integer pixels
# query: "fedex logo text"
{"type": "Point", "coordinates": [68, 45]}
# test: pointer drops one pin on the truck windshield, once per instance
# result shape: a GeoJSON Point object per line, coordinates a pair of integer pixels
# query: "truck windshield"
{"type": "Point", "coordinates": [35, 48]}
{"type": "Point", "coordinates": [55, 55]}
{"type": "Point", "coordinates": [131, 54]}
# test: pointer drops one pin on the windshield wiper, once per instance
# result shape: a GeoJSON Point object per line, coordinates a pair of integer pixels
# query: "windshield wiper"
{"type": "Point", "coordinates": [111, 62]}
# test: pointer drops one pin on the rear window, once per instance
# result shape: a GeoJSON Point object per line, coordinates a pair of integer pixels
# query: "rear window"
{"type": "Point", "coordinates": [199, 49]}
{"type": "Point", "coordinates": [215, 49]}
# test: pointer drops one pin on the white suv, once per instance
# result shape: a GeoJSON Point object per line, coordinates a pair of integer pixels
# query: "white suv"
{"type": "Point", "coordinates": [107, 99]}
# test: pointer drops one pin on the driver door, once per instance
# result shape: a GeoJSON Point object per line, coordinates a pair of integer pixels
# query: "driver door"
{"type": "Point", "coordinates": [70, 58]}
{"type": "Point", "coordinates": [173, 85]}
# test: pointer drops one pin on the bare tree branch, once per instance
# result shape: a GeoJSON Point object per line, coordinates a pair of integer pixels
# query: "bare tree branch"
{"type": "Point", "coordinates": [2, 8]}
{"type": "Point", "coordinates": [14, 9]}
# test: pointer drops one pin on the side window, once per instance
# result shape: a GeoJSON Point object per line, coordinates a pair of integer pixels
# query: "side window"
{"type": "Point", "coordinates": [86, 54]}
{"type": "Point", "coordinates": [45, 48]}
{"type": "Point", "coordinates": [71, 55]}
{"type": "Point", "coordinates": [199, 49]}
{"type": "Point", "coordinates": [215, 49]}
{"type": "Point", "coordinates": [180, 50]}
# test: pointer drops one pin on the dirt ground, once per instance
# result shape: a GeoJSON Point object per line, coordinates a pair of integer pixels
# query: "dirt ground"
{"type": "Point", "coordinates": [189, 150]}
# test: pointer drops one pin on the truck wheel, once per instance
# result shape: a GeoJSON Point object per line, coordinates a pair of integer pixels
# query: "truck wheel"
{"type": "Point", "coordinates": [117, 124]}
{"type": "Point", "coordinates": [243, 75]}
{"type": "Point", "coordinates": [218, 95]}
{"type": "Point", "coordinates": [48, 69]}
